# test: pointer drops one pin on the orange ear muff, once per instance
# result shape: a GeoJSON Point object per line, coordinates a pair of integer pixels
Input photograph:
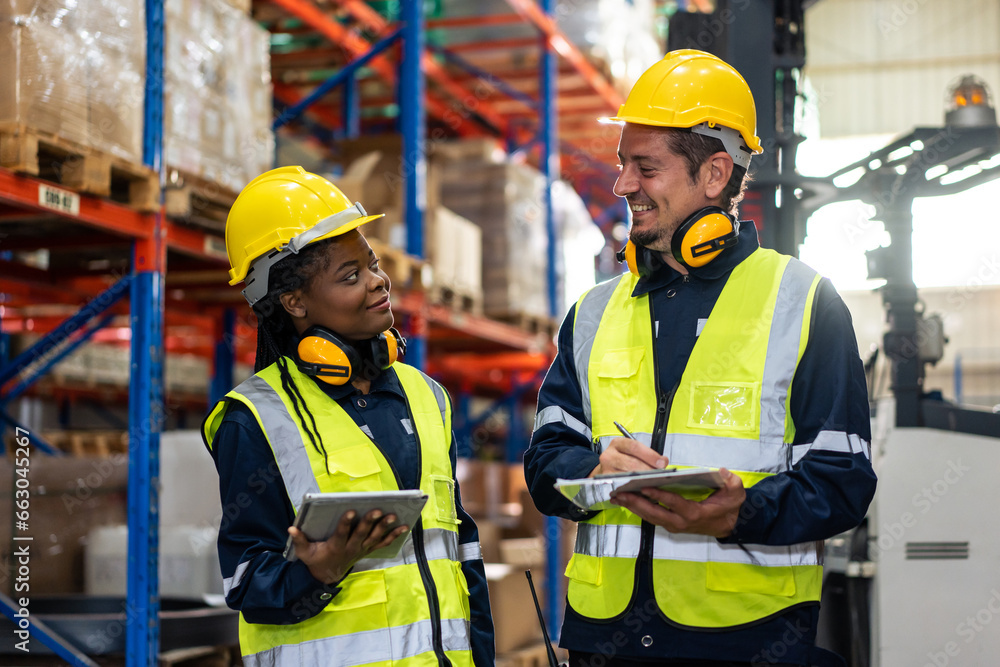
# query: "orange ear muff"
{"type": "Point", "coordinates": [323, 355]}
{"type": "Point", "coordinates": [703, 236]}
{"type": "Point", "coordinates": [386, 348]}
{"type": "Point", "coordinates": [641, 261]}
{"type": "Point", "coordinates": [627, 255]}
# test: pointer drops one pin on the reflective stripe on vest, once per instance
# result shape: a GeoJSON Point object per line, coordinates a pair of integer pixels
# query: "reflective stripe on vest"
{"type": "Point", "coordinates": [729, 410]}
{"type": "Point", "coordinates": [383, 645]}
{"type": "Point", "coordinates": [353, 463]}
{"type": "Point", "coordinates": [622, 541]}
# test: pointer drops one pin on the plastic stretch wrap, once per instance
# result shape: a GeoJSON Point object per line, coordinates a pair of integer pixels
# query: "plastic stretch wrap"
{"type": "Point", "coordinates": [217, 100]}
{"type": "Point", "coordinates": [76, 69]}
{"type": "Point", "coordinates": [506, 201]}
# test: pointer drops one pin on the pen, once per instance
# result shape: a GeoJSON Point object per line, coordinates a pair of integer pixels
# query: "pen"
{"type": "Point", "coordinates": [624, 431]}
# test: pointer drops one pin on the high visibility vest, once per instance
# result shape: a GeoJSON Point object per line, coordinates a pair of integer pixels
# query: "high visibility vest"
{"type": "Point", "coordinates": [404, 611]}
{"type": "Point", "coordinates": [730, 410]}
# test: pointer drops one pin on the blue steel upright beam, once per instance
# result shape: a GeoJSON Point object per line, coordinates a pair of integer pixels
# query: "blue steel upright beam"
{"type": "Point", "coordinates": [344, 75]}
{"type": "Point", "coordinates": [412, 119]}
{"type": "Point", "coordinates": [225, 358]}
{"type": "Point", "coordinates": [550, 166]}
{"type": "Point", "coordinates": [142, 638]}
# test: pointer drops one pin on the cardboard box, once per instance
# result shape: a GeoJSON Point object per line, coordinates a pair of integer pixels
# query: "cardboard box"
{"type": "Point", "coordinates": [514, 617]}
{"type": "Point", "coordinates": [68, 497]}
{"type": "Point", "coordinates": [43, 83]}
{"type": "Point", "coordinates": [524, 552]}
{"type": "Point", "coordinates": [454, 248]}
{"type": "Point", "coordinates": [483, 485]}
{"type": "Point", "coordinates": [489, 540]}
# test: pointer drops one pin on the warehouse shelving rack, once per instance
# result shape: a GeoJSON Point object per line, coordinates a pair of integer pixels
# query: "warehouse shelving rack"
{"type": "Point", "coordinates": [524, 113]}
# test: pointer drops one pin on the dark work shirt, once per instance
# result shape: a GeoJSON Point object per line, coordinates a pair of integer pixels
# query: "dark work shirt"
{"type": "Point", "coordinates": [825, 493]}
{"type": "Point", "coordinates": [257, 512]}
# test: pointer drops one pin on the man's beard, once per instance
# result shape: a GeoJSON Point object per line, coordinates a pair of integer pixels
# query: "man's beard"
{"type": "Point", "coordinates": [654, 239]}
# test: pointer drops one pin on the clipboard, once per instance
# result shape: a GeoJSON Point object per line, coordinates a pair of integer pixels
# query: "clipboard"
{"type": "Point", "coordinates": [321, 512]}
{"type": "Point", "coordinates": [594, 493]}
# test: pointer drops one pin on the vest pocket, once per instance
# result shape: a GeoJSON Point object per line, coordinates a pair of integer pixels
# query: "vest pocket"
{"type": "Point", "coordinates": [616, 381]}
{"type": "Point", "coordinates": [444, 499]}
{"type": "Point", "coordinates": [776, 580]}
{"type": "Point", "coordinates": [732, 405]}
{"type": "Point", "coordinates": [360, 606]}
{"type": "Point", "coordinates": [352, 462]}
{"type": "Point", "coordinates": [586, 569]}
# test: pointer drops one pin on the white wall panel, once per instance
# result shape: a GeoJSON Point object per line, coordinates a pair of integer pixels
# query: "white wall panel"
{"type": "Point", "coordinates": [882, 66]}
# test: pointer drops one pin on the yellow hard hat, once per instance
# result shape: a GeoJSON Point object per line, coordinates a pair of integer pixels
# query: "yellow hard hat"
{"type": "Point", "coordinates": [688, 88]}
{"type": "Point", "coordinates": [280, 212]}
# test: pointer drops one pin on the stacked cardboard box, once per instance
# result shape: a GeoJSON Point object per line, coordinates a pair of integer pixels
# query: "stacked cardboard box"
{"type": "Point", "coordinates": [374, 174]}
{"type": "Point", "coordinates": [506, 200]}
{"type": "Point", "coordinates": [69, 497]}
{"type": "Point", "coordinates": [75, 71]}
{"type": "Point", "coordinates": [513, 539]}
{"type": "Point", "coordinates": [217, 96]}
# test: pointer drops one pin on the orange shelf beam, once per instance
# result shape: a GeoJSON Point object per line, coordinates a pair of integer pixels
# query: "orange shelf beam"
{"type": "Point", "coordinates": [374, 21]}
{"type": "Point", "coordinates": [530, 10]}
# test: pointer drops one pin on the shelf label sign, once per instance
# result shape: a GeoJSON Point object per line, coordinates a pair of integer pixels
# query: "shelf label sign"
{"type": "Point", "coordinates": [63, 201]}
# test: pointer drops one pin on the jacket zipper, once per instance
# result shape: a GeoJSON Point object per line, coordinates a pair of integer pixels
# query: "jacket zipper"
{"type": "Point", "coordinates": [430, 589]}
{"type": "Point", "coordinates": [658, 439]}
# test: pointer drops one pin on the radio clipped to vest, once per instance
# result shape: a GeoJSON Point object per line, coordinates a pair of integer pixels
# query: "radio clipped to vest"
{"type": "Point", "coordinates": [697, 241]}
{"type": "Point", "coordinates": [327, 357]}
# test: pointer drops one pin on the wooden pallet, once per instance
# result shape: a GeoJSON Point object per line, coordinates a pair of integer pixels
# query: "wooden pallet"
{"type": "Point", "coordinates": [197, 201]}
{"type": "Point", "coordinates": [536, 324]}
{"type": "Point", "coordinates": [199, 656]}
{"type": "Point", "coordinates": [29, 151]}
{"type": "Point", "coordinates": [88, 443]}
{"type": "Point", "coordinates": [457, 300]}
{"type": "Point", "coordinates": [404, 271]}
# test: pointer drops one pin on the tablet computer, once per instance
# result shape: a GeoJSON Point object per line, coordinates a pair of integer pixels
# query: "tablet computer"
{"type": "Point", "coordinates": [321, 512]}
{"type": "Point", "coordinates": [594, 493]}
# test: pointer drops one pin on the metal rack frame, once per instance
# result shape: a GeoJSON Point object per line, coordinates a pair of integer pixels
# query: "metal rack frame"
{"type": "Point", "coordinates": [152, 236]}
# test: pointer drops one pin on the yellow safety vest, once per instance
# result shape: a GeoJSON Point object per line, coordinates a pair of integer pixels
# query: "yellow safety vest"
{"type": "Point", "coordinates": [404, 611]}
{"type": "Point", "coordinates": [730, 410]}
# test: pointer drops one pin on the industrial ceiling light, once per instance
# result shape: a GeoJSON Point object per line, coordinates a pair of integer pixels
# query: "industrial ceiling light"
{"type": "Point", "coordinates": [968, 104]}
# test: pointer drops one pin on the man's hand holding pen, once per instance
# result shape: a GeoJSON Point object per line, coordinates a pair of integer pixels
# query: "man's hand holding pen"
{"type": "Point", "coordinates": [627, 454]}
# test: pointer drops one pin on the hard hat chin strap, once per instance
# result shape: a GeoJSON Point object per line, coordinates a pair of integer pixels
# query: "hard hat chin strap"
{"type": "Point", "coordinates": [256, 280]}
{"type": "Point", "coordinates": [731, 139]}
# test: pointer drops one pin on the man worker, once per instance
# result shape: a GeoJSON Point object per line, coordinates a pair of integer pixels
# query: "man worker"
{"type": "Point", "coordinates": [714, 352]}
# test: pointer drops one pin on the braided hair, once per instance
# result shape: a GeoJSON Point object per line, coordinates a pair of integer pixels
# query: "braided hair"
{"type": "Point", "coordinates": [276, 334]}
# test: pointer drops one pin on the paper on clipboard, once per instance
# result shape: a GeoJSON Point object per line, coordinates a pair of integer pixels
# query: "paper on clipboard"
{"type": "Point", "coordinates": [594, 493]}
{"type": "Point", "coordinates": [321, 512]}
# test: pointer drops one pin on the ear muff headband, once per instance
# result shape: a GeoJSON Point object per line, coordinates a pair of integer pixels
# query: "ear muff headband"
{"type": "Point", "coordinates": [703, 236]}
{"type": "Point", "coordinates": [322, 354]}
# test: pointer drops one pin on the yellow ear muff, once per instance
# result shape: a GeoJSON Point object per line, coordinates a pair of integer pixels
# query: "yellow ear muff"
{"type": "Point", "coordinates": [392, 340]}
{"type": "Point", "coordinates": [323, 355]}
{"type": "Point", "coordinates": [630, 259]}
{"type": "Point", "coordinates": [628, 255]}
{"type": "Point", "coordinates": [703, 236]}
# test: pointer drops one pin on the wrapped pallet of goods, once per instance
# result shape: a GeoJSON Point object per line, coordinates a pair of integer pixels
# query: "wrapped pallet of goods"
{"type": "Point", "coordinates": [506, 200]}
{"type": "Point", "coordinates": [72, 90]}
{"type": "Point", "coordinates": [217, 107]}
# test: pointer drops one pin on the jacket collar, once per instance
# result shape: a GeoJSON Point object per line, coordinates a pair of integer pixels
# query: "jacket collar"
{"type": "Point", "coordinates": [714, 270]}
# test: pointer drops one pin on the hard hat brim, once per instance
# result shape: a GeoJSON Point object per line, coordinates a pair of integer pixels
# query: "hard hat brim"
{"type": "Point", "coordinates": [754, 145]}
{"type": "Point", "coordinates": [236, 277]}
